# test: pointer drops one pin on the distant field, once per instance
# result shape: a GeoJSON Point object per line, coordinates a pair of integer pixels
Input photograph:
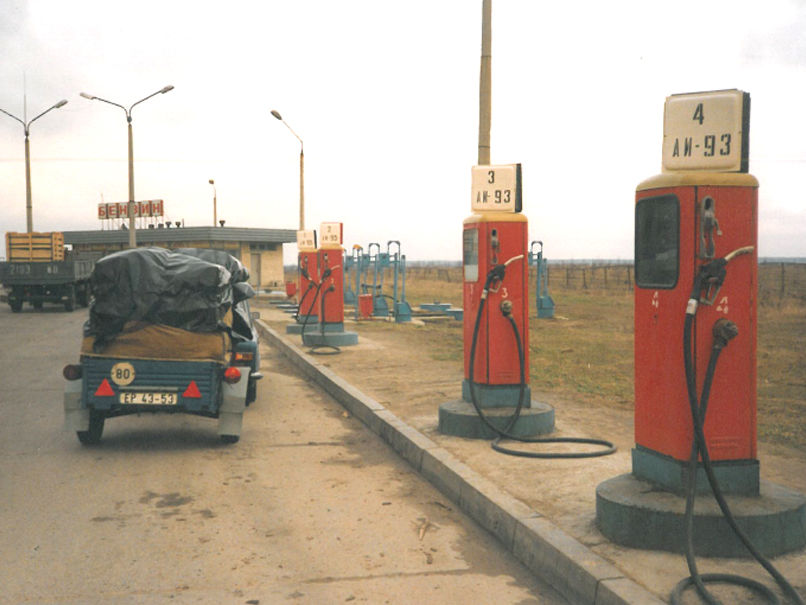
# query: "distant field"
{"type": "Point", "coordinates": [587, 349]}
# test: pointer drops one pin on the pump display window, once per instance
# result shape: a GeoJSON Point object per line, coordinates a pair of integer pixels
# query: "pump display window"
{"type": "Point", "coordinates": [657, 250]}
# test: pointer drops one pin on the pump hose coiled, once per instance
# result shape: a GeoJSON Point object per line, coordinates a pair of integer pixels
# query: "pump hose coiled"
{"type": "Point", "coordinates": [723, 331]}
{"type": "Point", "coordinates": [497, 273]}
{"type": "Point", "coordinates": [310, 311]}
{"type": "Point", "coordinates": [317, 349]}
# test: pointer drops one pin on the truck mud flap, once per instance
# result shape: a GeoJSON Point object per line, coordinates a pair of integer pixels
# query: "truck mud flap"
{"type": "Point", "coordinates": [233, 404]}
{"type": "Point", "coordinates": [76, 418]}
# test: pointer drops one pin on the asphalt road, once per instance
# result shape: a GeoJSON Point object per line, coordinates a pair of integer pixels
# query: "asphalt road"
{"type": "Point", "coordinates": [309, 507]}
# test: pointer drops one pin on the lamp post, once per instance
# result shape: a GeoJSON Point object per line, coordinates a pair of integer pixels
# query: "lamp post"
{"type": "Point", "coordinates": [132, 231]}
{"type": "Point", "coordinates": [215, 215]}
{"type": "Point", "coordinates": [277, 115]}
{"type": "Point", "coordinates": [29, 218]}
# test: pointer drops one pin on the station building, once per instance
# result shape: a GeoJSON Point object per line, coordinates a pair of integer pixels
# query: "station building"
{"type": "Point", "coordinates": [260, 250]}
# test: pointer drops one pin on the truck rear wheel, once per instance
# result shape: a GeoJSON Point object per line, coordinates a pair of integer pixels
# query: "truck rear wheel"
{"type": "Point", "coordinates": [70, 301]}
{"type": "Point", "coordinates": [251, 391]}
{"type": "Point", "coordinates": [96, 429]}
{"type": "Point", "coordinates": [16, 305]}
{"type": "Point", "coordinates": [82, 295]}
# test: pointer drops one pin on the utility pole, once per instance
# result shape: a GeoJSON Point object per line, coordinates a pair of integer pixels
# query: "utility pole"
{"type": "Point", "coordinates": [485, 83]}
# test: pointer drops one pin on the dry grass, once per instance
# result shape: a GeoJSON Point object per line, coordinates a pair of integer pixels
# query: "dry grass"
{"type": "Point", "coordinates": [587, 349]}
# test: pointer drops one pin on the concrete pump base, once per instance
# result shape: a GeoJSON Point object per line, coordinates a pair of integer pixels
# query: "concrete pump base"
{"type": "Point", "coordinates": [639, 514]}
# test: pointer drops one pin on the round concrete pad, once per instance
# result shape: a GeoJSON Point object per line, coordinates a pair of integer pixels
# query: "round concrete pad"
{"type": "Point", "coordinates": [459, 418]}
{"type": "Point", "coordinates": [635, 513]}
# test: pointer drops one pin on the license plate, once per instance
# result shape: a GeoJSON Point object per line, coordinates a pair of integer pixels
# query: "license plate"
{"type": "Point", "coordinates": [148, 398]}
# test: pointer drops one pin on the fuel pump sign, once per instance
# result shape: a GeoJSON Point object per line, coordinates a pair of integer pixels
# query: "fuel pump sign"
{"type": "Point", "coordinates": [306, 239]}
{"type": "Point", "coordinates": [332, 234]}
{"type": "Point", "coordinates": [496, 188]}
{"type": "Point", "coordinates": [706, 131]}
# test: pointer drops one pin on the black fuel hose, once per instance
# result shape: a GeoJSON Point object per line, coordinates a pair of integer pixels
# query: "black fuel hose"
{"type": "Point", "coordinates": [302, 300]}
{"type": "Point", "coordinates": [723, 332]}
{"type": "Point", "coordinates": [310, 311]}
{"type": "Point", "coordinates": [318, 348]}
{"type": "Point", "coordinates": [497, 273]}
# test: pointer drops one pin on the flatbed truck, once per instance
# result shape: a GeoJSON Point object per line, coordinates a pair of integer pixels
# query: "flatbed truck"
{"type": "Point", "coordinates": [38, 270]}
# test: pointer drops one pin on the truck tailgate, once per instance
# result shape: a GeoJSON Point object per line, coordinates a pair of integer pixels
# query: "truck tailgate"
{"type": "Point", "coordinates": [120, 386]}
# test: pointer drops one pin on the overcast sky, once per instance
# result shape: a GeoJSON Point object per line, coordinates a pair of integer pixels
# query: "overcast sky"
{"type": "Point", "coordinates": [385, 97]}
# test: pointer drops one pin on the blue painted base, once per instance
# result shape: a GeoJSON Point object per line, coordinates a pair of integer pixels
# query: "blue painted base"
{"type": "Point", "coordinates": [435, 307]}
{"type": "Point", "coordinates": [496, 395]}
{"type": "Point", "coordinates": [334, 339]}
{"type": "Point", "coordinates": [734, 476]}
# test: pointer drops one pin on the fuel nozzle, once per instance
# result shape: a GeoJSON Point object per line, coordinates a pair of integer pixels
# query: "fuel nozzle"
{"type": "Point", "coordinates": [710, 278]}
{"type": "Point", "coordinates": [327, 272]}
{"type": "Point", "coordinates": [496, 274]}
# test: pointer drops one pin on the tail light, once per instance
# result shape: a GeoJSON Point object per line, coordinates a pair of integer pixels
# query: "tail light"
{"type": "Point", "coordinates": [73, 371]}
{"type": "Point", "coordinates": [242, 357]}
{"type": "Point", "coordinates": [232, 375]}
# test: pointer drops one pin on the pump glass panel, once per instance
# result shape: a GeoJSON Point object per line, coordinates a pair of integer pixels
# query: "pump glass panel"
{"type": "Point", "coordinates": [470, 254]}
{"type": "Point", "coordinates": [657, 241]}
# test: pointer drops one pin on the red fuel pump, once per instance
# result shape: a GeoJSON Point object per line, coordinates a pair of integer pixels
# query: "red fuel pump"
{"type": "Point", "coordinates": [682, 222]}
{"type": "Point", "coordinates": [496, 325]}
{"type": "Point", "coordinates": [331, 280]}
{"type": "Point", "coordinates": [493, 240]}
{"type": "Point", "coordinates": [695, 305]}
{"type": "Point", "coordinates": [330, 333]}
{"type": "Point", "coordinates": [702, 208]}
{"type": "Point", "coordinates": [494, 247]}
{"type": "Point", "coordinates": [331, 297]}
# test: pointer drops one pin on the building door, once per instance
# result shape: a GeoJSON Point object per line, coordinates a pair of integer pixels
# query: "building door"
{"type": "Point", "coordinates": [254, 271]}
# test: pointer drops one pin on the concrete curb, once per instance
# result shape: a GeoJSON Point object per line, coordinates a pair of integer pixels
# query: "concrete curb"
{"type": "Point", "coordinates": [576, 572]}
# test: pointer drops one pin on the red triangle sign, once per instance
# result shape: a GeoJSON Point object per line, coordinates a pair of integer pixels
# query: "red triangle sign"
{"type": "Point", "coordinates": [192, 390]}
{"type": "Point", "coordinates": [104, 389]}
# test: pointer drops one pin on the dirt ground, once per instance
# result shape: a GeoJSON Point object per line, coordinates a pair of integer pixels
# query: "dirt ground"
{"type": "Point", "coordinates": [399, 366]}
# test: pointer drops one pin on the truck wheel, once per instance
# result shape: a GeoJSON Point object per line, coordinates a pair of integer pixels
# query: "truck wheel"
{"type": "Point", "coordinates": [251, 391]}
{"type": "Point", "coordinates": [37, 304]}
{"type": "Point", "coordinates": [16, 305]}
{"type": "Point", "coordinates": [70, 301]}
{"type": "Point", "coordinates": [93, 435]}
{"type": "Point", "coordinates": [229, 438]}
{"type": "Point", "coordinates": [82, 295]}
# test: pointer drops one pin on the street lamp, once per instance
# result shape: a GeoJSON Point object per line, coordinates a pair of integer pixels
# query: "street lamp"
{"type": "Point", "coordinates": [215, 216]}
{"type": "Point", "coordinates": [277, 115]}
{"type": "Point", "coordinates": [162, 91]}
{"type": "Point", "coordinates": [27, 126]}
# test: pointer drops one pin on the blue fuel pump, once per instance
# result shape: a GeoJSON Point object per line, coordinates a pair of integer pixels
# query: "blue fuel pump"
{"type": "Point", "coordinates": [545, 304]}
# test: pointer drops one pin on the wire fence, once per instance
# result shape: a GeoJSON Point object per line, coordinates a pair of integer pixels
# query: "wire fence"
{"type": "Point", "coordinates": [778, 281]}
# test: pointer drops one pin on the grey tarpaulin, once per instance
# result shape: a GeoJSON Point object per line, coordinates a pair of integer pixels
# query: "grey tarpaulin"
{"type": "Point", "coordinates": [191, 290]}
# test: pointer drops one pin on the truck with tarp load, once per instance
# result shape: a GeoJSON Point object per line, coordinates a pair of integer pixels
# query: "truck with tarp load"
{"type": "Point", "coordinates": [39, 270]}
{"type": "Point", "coordinates": [168, 332]}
